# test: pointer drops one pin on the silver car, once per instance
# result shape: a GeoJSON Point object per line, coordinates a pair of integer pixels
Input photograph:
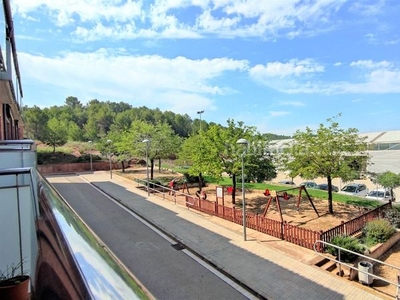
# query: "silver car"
{"type": "Point", "coordinates": [355, 189]}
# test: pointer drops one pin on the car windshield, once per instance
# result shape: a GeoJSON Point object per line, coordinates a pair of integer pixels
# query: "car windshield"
{"type": "Point", "coordinates": [377, 194]}
{"type": "Point", "coordinates": [349, 188]}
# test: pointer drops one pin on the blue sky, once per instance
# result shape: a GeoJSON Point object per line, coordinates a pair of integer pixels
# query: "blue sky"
{"type": "Point", "coordinates": [279, 65]}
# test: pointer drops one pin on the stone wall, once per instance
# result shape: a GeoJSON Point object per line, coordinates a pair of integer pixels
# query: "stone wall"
{"type": "Point", "coordinates": [76, 167]}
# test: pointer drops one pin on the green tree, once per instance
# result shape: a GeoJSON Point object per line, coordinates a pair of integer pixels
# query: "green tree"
{"type": "Point", "coordinates": [54, 134]}
{"type": "Point", "coordinates": [215, 152]}
{"type": "Point", "coordinates": [35, 121]}
{"type": "Point", "coordinates": [163, 142]}
{"type": "Point", "coordinates": [260, 165]}
{"type": "Point", "coordinates": [77, 112]}
{"type": "Point", "coordinates": [326, 152]}
{"type": "Point", "coordinates": [192, 154]}
{"type": "Point", "coordinates": [74, 132]}
{"type": "Point", "coordinates": [100, 118]}
{"type": "Point", "coordinates": [389, 180]}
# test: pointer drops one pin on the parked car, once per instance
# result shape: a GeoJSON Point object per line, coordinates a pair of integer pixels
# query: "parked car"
{"type": "Point", "coordinates": [380, 194]}
{"type": "Point", "coordinates": [324, 186]}
{"type": "Point", "coordinates": [309, 184]}
{"type": "Point", "coordinates": [287, 182]}
{"type": "Point", "coordinates": [355, 189]}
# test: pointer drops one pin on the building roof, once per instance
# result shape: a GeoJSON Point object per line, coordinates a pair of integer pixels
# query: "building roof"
{"type": "Point", "coordinates": [392, 136]}
{"type": "Point", "coordinates": [380, 160]}
{"type": "Point", "coordinates": [382, 136]}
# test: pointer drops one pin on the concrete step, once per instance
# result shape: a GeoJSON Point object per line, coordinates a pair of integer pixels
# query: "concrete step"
{"type": "Point", "coordinates": [329, 266]}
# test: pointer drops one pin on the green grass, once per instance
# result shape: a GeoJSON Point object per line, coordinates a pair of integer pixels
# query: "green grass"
{"type": "Point", "coordinates": [315, 194]}
{"type": "Point", "coordinates": [68, 148]}
{"type": "Point", "coordinates": [226, 181]}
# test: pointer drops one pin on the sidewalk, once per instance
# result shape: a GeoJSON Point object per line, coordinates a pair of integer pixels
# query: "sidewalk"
{"type": "Point", "coordinates": [275, 272]}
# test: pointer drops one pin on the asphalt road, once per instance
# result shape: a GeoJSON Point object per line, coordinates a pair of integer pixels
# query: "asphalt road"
{"type": "Point", "coordinates": [167, 272]}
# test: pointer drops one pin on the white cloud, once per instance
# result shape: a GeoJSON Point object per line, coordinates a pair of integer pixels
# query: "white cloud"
{"type": "Point", "coordinates": [369, 10]}
{"type": "Point", "coordinates": [297, 76]}
{"type": "Point", "coordinates": [65, 12]}
{"type": "Point", "coordinates": [294, 67]}
{"type": "Point", "coordinates": [105, 74]}
{"type": "Point", "coordinates": [369, 64]}
{"type": "Point", "coordinates": [278, 113]}
{"type": "Point", "coordinates": [162, 18]}
{"type": "Point", "coordinates": [209, 23]}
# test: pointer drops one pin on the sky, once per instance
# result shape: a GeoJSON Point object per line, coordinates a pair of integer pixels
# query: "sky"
{"type": "Point", "coordinates": [278, 65]}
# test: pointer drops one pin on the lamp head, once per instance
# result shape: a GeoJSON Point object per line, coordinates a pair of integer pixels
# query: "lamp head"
{"type": "Point", "coordinates": [244, 143]}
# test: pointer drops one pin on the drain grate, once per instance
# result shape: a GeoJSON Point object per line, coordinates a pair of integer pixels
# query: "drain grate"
{"type": "Point", "coordinates": [178, 246]}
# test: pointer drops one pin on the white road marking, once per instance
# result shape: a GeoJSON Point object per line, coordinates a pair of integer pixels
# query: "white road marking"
{"type": "Point", "coordinates": [217, 273]}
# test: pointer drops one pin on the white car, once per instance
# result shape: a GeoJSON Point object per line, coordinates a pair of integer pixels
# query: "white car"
{"type": "Point", "coordinates": [380, 194]}
{"type": "Point", "coordinates": [355, 189]}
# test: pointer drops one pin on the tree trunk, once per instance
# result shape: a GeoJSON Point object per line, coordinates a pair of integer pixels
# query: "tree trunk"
{"type": "Point", "coordinates": [234, 189]}
{"type": "Point", "coordinates": [151, 168]}
{"type": "Point", "coordinates": [123, 166]}
{"type": "Point", "coordinates": [200, 182]}
{"type": "Point", "coordinates": [330, 204]}
{"type": "Point", "coordinates": [159, 165]}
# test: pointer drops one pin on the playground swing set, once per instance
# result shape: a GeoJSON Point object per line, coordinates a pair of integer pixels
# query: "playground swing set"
{"type": "Point", "coordinates": [276, 195]}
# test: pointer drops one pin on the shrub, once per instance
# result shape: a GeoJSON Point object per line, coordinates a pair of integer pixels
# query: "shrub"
{"type": "Point", "coordinates": [378, 231]}
{"type": "Point", "coordinates": [393, 216]}
{"type": "Point", "coordinates": [347, 242]}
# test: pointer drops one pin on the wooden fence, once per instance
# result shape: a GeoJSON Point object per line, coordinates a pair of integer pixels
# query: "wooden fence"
{"type": "Point", "coordinates": [283, 230]}
{"type": "Point", "coordinates": [355, 225]}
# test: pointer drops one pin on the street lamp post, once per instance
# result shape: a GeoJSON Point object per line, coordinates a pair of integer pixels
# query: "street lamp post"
{"type": "Point", "coordinates": [201, 151]}
{"type": "Point", "coordinates": [91, 161]}
{"type": "Point", "coordinates": [245, 144]}
{"type": "Point", "coordinates": [147, 164]}
{"type": "Point", "coordinates": [109, 149]}
{"type": "Point", "coordinates": [199, 113]}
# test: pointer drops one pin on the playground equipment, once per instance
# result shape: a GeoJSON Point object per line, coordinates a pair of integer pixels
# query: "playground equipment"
{"type": "Point", "coordinates": [275, 195]}
{"type": "Point", "coordinates": [201, 195]}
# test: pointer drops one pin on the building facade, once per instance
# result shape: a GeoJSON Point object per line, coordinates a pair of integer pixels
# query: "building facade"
{"type": "Point", "coordinates": [11, 123]}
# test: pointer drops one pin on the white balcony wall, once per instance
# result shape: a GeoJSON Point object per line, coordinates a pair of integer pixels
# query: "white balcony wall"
{"type": "Point", "coordinates": [15, 230]}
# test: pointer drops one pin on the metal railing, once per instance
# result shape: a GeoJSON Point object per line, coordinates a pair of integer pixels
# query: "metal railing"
{"type": "Point", "coordinates": [162, 191]}
{"type": "Point", "coordinates": [341, 263]}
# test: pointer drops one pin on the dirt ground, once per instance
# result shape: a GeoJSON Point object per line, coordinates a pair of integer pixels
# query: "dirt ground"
{"type": "Point", "coordinates": [303, 216]}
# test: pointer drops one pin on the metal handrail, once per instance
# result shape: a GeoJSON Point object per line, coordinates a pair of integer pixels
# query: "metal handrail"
{"type": "Point", "coordinates": [352, 267]}
{"type": "Point", "coordinates": [143, 183]}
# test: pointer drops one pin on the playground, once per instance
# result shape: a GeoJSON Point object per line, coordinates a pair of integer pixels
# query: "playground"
{"type": "Point", "coordinates": [302, 213]}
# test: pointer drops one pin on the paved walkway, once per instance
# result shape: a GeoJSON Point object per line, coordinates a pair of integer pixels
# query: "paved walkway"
{"type": "Point", "coordinates": [273, 268]}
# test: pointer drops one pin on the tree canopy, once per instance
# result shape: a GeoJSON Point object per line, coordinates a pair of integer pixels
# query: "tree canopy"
{"type": "Point", "coordinates": [162, 142]}
{"type": "Point", "coordinates": [215, 152]}
{"type": "Point", "coordinates": [326, 152]}
{"type": "Point", "coordinates": [389, 180]}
